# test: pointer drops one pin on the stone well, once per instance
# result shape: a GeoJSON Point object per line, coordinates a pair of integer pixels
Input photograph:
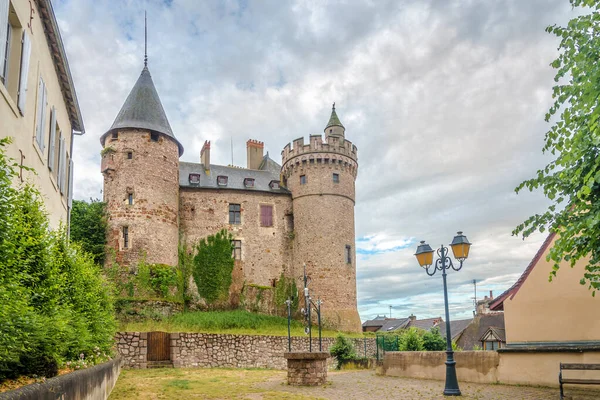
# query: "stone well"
{"type": "Point", "coordinates": [306, 368]}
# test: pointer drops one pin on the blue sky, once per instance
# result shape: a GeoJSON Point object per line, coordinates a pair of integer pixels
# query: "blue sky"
{"type": "Point", "coordinates": [445, 101]}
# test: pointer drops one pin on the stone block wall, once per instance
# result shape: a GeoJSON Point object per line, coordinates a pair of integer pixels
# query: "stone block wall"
{"type": "Point", "coordinates": [307, 369]}
{"type": "Point", "coordinates": [223, 350]}
{"type": "Point", "coordinates": [133, 348]}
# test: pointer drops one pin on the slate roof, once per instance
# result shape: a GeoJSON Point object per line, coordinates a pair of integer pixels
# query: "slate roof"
{"type": "Point", "coordinates": [478, 327]}
{"type": "Point", "coordinates": [334, 120]}
{"type": "Point", "coordinates": [394, 324]}
{"type": "Point", "coordinates": [456, 327]}
{"type": "Point", "coordinates": [377, 321]}
{"type": "Point", "coordinates": [425, 324]}
{"type": "Point", "coordinates": [498, 303]}
{"type": "Point", "coordinates": [143, 110]}
{"type": "Point", "coordinates": [235, 177]}
{"type": "Point", "coordinates": [499, 333]}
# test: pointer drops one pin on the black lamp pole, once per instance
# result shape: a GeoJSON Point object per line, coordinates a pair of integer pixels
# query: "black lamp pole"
{"type": "Point", "coordinates": [460, 247]}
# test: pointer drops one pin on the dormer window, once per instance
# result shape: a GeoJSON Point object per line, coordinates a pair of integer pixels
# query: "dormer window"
{"type": "Point", "coordinates": [249, 182]}
{"type": "Point", "coordinates": [194, 179]}
{"type": "Point", "coordinates": [154, 136]}
{"type": "Point", "coordinates": [222, 180]}
{"type": "Point", "coordinates": [274, 185]}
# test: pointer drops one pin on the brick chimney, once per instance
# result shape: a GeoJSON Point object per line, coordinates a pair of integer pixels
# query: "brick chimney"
{"type": "Point", "coordinates": [205, 155]}
{"type": "Point", "coordinates": [254, 150]}
{"type": "Point", "coordinates": [491, 295]}
{"type": "Point", "coordinates": [412, 317]}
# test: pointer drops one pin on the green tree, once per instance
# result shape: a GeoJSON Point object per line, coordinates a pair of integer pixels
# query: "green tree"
{"type": "Point", "coordinates": [433, 340]}
{"type": "Point", "coordinates": [213, 265]}
{"type": "Point", "coordinates": [342, 350]}
{"type": "Point", "coordinates": [411, 340]}
{"type": "Point", "coordinates": [572, 180]}
{"type": "Point", "coordinates": [88, 227]}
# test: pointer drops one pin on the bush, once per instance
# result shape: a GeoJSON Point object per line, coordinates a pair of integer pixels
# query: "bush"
{"type": "Point", "coordinates": [213, 265]}
{"type": "Point", "coordinates": [88, 227]}
{"type": "Point", "coordinates": [411, 340]}
{"type": "Point", "coordinates": [342, 350]}
{"type": "Point", "coordinates": [433, 341]}
{"type": "Point", "coordinates": [54, 302]}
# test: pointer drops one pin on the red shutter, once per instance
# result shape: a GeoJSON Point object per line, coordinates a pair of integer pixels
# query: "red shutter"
{"type": "Point", "coordinates": [266, 215]}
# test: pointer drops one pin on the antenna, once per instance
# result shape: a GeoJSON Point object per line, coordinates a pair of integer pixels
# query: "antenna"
{"type": "Point", "coordinates": [475, 296]}
{"type": "Point", "coordinates": [390, 304]}
{"type": "Point", "coordinates": [145, 40]}
{"type": "Point", "coordinates": [232, 151]}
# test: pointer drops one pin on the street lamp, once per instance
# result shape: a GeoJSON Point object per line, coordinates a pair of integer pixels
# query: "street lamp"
{"type": "Point", "coordinates": [460, 248]}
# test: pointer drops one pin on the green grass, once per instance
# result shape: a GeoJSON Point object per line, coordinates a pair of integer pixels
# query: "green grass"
{"type": "Point", "coordinates": [214, 383]}
{"type": "Point", "coordinates": [234, 322]}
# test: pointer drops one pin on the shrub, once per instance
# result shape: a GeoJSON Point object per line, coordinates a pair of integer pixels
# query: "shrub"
{"type": "Point", "coordinates": [213, 265]}
{"type": "Point", "coordinates": [433, 341]}
{"type": "Point", "coordinates": [88, 227]}
{"type": "Point", "coordinates": [342, 350]}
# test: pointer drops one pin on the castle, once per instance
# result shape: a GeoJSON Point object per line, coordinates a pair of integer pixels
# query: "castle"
{"type": "Point", "coordinates": [281, 216]}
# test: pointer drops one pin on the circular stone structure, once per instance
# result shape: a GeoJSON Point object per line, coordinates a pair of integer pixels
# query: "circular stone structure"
{"type": "Point", "coordinates": [307, 368]}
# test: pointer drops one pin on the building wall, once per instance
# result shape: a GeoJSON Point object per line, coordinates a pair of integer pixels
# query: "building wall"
{"type": "Point", "coordinates": [266, 251]}
{"type": "Point", "coordinates": [152, 176]}
{"type": "Point", "coordinates": [22, 127]}
{"type": "Point", "coordinates": [324, 224]}
{"type": "Point", "coordinates": [558, 311]}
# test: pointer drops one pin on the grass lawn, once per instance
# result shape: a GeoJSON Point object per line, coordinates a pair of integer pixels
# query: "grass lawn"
{"type": "Point", "coordinates": [232, 322]}
{"type": "Point", "coordinates": [216, 383]}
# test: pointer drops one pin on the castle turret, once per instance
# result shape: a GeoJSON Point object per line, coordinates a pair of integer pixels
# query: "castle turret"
{"type": "Point", "coordinates": [140, 164]}
{"type": "Point", "coordinates": [321, 177]}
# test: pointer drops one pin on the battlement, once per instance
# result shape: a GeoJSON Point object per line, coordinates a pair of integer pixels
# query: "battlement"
{"type": "Point", "coordinates": [333, 144]}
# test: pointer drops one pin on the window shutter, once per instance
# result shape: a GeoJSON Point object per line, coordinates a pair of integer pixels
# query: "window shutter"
{"type": "Point", "coordinates": [41, 114]}
{"type": "Point", "coordinates": [62, 165]}
{"type": "Point", "coordinates": [26, 51]}
{"type": "Point", "coordinates": [3, 33]}
{"type": "Point", "coordinates": [52, 144]}
{"type": "Point", "coordinates": [70, 194]}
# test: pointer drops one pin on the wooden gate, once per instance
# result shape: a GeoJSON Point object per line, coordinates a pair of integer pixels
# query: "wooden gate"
{"type": "Point", "coordinates": [159, 348]}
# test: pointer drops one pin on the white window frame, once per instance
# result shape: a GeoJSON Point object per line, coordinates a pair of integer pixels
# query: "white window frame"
{"type": "Point", "coordinates": [41, 114]}
{"type": "Point", "coordinates": [25, 55]}
{"type": "Point", "coordinates": [5, 32]}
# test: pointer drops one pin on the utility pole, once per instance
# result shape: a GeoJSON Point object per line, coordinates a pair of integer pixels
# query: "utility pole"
{"type": "Point", "coordinates": [475, 295]}
{"type": "Point", "coordinates": [390, 311]}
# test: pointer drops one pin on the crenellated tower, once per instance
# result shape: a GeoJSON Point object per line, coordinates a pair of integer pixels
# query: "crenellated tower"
{"type": "Point", "coordinates": [321, 178]}
{"type": "Point", "coordinates": [140, 164]}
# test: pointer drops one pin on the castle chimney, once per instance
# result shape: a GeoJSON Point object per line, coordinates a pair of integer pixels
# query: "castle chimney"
{"type": "Point", "coordinates": [254, 150]}
{"type": "Point", "coordinates": [205, 155]}
{"type": "Point", "coordinates": [412, 317]}
{"type": "Point", "coordinates": [491, 295]}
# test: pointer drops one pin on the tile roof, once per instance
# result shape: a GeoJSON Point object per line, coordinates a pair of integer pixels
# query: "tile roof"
{"type": "Point", "coordinates": [235, 178]}
{"type": "Point", "coordinates": [498, 303]}
{"type": "Point", "coordinates": [425, 324]}
{"type": "Point", "coordinates": [478, 327]}
{"type": "Point", "coordinates": [377, 321]}
{"type": "Point", "coordinates": [499, 333]}
{"type": "Point", "coordinates": [334, 120]}
{"type": "Point", "coordinates": [394, 324]}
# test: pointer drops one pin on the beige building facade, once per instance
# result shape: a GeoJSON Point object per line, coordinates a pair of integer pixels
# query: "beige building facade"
{"type": "Point", "coordinates": [38, 105]}
{"type": "Point", "coordinates": [281, 217]}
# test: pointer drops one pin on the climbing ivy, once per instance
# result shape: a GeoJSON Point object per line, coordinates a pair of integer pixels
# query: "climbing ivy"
{"type": "Point", "coordinates": [286, 289]}
{"type": "Point", "coordinates": [213, 265]}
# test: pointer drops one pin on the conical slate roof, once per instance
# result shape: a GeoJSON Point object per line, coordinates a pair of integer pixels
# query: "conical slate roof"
{"type": "Point", "coordinates": [334, 120]}
{"type": "Point", "coordinates": [143, 110]}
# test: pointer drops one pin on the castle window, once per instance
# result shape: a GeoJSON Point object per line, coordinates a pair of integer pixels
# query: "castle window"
{"type": "Point", "coordinates": [249, 182]}
{"type": "Point", "coordinates": [336, 178]}
{"type": "Point", "coordinates": [222, 180]}
{"type": "Point", "coordinates": [129, 155]}
{"type": "Point", "coordinates": [154, 136]}
{"type": "Point", "coordinates": [274, 184]}
{"type": "Point", "coordinates": [235, 214]}
{"type": "Point", "coordinates": [303, 179]}
{"type": "Point", "coordinates": [115, 135]}
{"type": "Point", "coordinates": [130, 199]}
{"type": "Point", "coordinates": [194, 179]}
{"type": "Point", "coordinates": [266, 215]}
{"type": "Point", "coordinates": [348, 254]}
{"type": "Point", "coordinates": [125, 237]}
{"type": "Point", "coordinates": [330, 130]}
{"type": "Point", "coordinates": [319, 161]}
{"type": "Point", "coordinates": [237, 249]}
{"type": "Point", "coordinates": [312, 160]}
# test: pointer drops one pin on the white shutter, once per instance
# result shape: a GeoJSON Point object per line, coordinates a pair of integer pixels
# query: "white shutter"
{"type": "Point", "coordinates": [63, 164]}
{"type": "Point", "coordinates": [25, 52]}
{"type": "Point", "coordinates": [70, 201]}
{"type": "Point", "coordinates": [41, 114]}
{"type": "Point", "coordinates": [3, 33]}
{"type": "Point", "coordinates": [52, 145]}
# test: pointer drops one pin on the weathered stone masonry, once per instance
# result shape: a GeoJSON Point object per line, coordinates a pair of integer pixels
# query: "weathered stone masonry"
{"type": "Point", "coordinates": [222, 350]}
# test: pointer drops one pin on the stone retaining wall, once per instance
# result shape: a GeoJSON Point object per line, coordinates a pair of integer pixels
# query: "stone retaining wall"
{"type": "Point", "coordinates": [223, 350]}
{"type": "Point", "coordinates": [93, 383]}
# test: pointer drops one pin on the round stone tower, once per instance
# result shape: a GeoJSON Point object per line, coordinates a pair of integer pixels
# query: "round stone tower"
{"type": "Point", "coordinates": [140, 164]}
{"type": "Point", "coordinates": [321, 176]}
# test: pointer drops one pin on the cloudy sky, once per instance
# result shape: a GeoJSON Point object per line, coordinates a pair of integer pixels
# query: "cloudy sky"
{"type": "Point", "coordinates": [445, 101]}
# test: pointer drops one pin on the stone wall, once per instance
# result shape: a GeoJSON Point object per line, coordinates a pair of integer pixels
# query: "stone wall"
{"type": "Point", "coordinates": [93, 383]}
{"type": "Point", "coordinates": [222, 350]}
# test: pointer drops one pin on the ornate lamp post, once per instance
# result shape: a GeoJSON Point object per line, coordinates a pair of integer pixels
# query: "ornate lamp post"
{"type": "Point", "coordinates": [460, 247]}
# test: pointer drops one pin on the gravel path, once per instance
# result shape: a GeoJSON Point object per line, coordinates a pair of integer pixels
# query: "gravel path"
{"type": "Point", "coordinates": [366, 385]}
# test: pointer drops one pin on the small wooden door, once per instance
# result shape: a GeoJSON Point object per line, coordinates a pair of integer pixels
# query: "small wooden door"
{"type": "Point", "coordinates": [159, 348]}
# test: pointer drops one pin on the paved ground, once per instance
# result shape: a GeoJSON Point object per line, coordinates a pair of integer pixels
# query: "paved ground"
{"type": "Point", "coordinates": [367, 385]}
